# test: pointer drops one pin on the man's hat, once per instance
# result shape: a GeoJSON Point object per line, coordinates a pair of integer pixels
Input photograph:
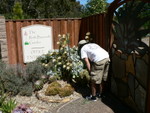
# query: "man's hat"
{"type": "Point", "coordinates": [81, 42]}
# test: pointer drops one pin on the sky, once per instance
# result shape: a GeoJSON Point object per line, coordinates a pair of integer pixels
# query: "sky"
{"type": "Point", "coordinates": [83, 2]}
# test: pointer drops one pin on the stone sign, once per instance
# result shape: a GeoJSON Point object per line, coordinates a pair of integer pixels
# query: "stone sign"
{"type": "Point", "coordinates": [36, 41]}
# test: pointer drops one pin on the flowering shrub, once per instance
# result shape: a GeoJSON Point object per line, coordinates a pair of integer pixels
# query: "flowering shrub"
{"type": "Point", "coordinates": [63, 62]}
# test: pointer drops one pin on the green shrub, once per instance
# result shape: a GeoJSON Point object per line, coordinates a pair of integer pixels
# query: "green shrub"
{"type": "Point", "coordinates": [53, 89]}
{"type": "Point", "coordinates": [84, 78]}
{"type": "Point", "coordinates": [14, 81]}
{"type": "Point", "coordinates": [56, 88]}
{"type": "Point", "coordinates": [55, 84]}
{"type": "Point", "coordinates": [26, 89]}
{"type": "Point", "coordinates": [2, 99]}
{"type": "Point", "coordinates": [67, 90]}
{"type": "Point", "coordinates": [11, 81]}
{"type": "Point", "coordinates": [34, 70]}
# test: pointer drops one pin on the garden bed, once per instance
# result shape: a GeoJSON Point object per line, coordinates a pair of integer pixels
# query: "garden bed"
{"type": "Point", "coordinates": [40, 103]}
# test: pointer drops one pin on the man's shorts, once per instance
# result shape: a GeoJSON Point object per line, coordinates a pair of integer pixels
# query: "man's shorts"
{"type": "Point", "coordinates": [99, 70]}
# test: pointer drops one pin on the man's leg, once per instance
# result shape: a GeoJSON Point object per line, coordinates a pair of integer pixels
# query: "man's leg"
{"type": "Point", "coordinates": [93, 88]}
{"type": "Point", "coordinates": [93, 92]}
{"type": "Point", "coordinates": [106, 69]}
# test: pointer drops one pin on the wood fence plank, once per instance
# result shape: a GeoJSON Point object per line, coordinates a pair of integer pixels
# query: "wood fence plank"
{"type": "Point", "coordinates": [13, 46]}
{"type": "Point", "coordinates": [56, 32]}
{"type": "Point", "coordinates": [19, 42]}
{"type": "Point", "coordinates": [97, 29]}
{"type": "Point", "coordinates": [70, 28]}
{"type": "Point", "coordinates": [77, 30]}
{"type": "Point", "coordinates": [101, 30]}
{"type": "Point", "coordinates": [72, 35]}
{"type": "Point", "coordinates": [63, 29]}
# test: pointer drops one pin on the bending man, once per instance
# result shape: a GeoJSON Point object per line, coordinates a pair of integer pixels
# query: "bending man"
{"type": "Point", "coordinates": [97, 62]}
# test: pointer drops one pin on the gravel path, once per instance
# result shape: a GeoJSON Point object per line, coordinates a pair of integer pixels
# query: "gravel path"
{"type": "Point", "coordinates": [36, 105]}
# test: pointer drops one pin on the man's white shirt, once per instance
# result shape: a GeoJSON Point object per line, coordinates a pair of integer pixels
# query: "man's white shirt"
{"type": "Point", "coordinates": [94, 52]}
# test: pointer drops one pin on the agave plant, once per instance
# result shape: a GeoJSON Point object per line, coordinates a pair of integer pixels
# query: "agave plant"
{"type": "Point", "coordinates": [128, 28]}
{"type": "Point", "coordinates": [8, 106]}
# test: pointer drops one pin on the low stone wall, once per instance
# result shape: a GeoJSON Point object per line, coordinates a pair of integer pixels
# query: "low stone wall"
{"type": "Point", "coordinates": [3, 41]}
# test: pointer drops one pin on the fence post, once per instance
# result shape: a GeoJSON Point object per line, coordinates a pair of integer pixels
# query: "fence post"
{"type": "Point", "coordinates": [3, 40]}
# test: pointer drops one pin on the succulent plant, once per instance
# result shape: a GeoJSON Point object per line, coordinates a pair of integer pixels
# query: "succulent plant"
{"type": "Point", "coordinates": [67, 90]}
{"type": "Point", "coordinates": [53, 78]}
{"type": "Point", "coordinates": [8, 106]}
{"type": "Point", "coordinates": [44, 78]}
{"type": "Point", "coordinates": [52, 90]}
{"type": "Point", "coordinates": [38, 85]}
{"type": "Point", "coordinates": [55, 84]}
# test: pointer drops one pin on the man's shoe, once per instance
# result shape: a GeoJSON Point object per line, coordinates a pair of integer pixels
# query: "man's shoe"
{"type": "Point", "coordinates": [92, 98]}
{"type": "Point", "coordinates": [98, 95]}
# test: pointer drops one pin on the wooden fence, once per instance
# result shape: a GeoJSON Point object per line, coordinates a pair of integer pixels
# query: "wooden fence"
{"type": "Point", "coordinates": [76, 27]}
{"type": "Point", "coordinates": [96, 26]}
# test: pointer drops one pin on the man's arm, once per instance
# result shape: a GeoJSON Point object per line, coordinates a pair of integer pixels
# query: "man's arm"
{"type": "Point", "coordinates": [87, 64]}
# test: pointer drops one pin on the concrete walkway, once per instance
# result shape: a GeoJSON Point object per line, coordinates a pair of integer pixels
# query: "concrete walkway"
{"type": "Point", "coordinates": [109, 104]}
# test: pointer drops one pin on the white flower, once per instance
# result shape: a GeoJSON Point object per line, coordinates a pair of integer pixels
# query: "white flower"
{"type": "Point", "coordinates": [64, 66]}
{"type": "Point", "coordinates": [68, 64]}
{"type": "Point", "coordinates": [63, 36]}
{"type": "Point", "coordinates": [58, 43]}
{"type": "Point", "coordinates": [61, 48]}
{"type": "Point", "coordinates": [65, 52]}
{"type": "Point", "coordinates": [59, 58]}
{"type": "Point", "coordinates": [59, 35]}
{"type": "Point", "coordinates": [68, 68]}
{"type": "Point", "coordinates": [46, 65]}
{"type": "Point", "coordinates": [54, 60]}
{"type": "Point", "coordinates": [88, 33]}
{"type": "Point", "coordinates": [50, 54]}
{"type": "Point", "coordinates": [59, 63]}
{"type": "Point", "coordinates": [86, 37]}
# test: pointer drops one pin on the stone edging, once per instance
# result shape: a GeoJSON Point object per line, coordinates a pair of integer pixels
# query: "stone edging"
{"type": "Point", "coordinates": [55, 99]}
{"type": "Point", "coordinates": [44, 99]}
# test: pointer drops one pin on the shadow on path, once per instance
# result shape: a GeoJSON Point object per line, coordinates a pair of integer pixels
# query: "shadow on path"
{"type": "Point", "coordinates": [116, 105]}
{"type": "Point", "coordinates": [109, 104]}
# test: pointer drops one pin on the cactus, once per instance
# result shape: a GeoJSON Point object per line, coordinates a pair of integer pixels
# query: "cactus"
{"type": "Point", "coordinates": [67, 90]}
{"type": "Point", "coordinates": [38, 85]}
